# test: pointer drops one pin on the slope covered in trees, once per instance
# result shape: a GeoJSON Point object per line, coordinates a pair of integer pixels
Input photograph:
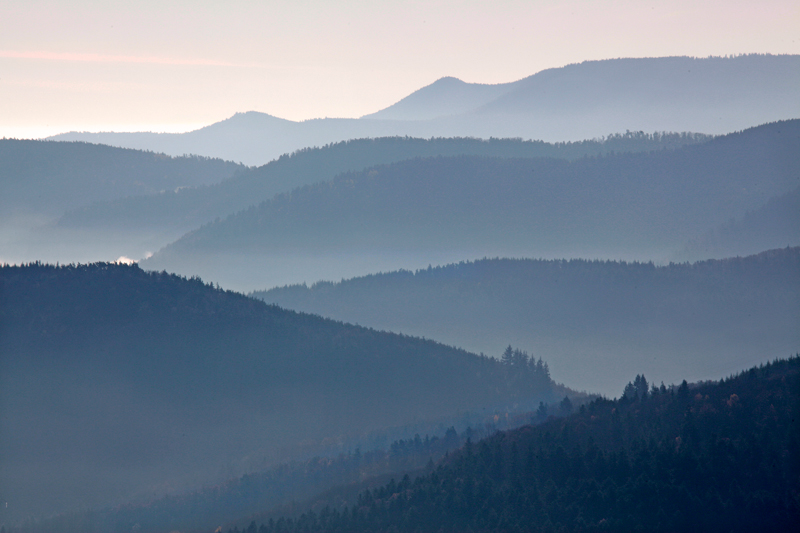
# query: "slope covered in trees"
{"type": "Point", "coordinates": [712, 95]}
{"type": "Point", "coordinates": [117, 384]}
{"type": "Point", "coordinates": [40, 181]}
{"type": "Point", "coordinates": [593, 321]}
{"type": "Point", "coordinates": [240, 499]}
{"type": "Point", "coordinates": [54, 177]}
{"type": "Point", "coordinates": [189, 208]}
{"type": "Point", "coordinates": [715, 456]}
{"type": "Point", "coordinates": [773, 225]}
{"type": "Point", "coordinates": [438, 210]}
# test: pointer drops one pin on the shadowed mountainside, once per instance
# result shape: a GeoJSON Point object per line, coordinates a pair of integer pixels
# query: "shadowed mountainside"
{"type": "Point", "coordinates": [54, 177]}
{"type": "Point", "coordinates": [142, 384]}
{"type": "Point", "coordinates": [445, 209]}
{"type": "Point", "coordinates": [238, 500]}
{"type": "Point", "coordinates": [775, 224]}
{"type": "Point", "coordinates": [40, 180]}
{"type": "Point", "coordinates": [594, 321]}
{"type": "Point", "coordinates": [188, 208]}
{"type": "Point", "coordinates": [715, 456]}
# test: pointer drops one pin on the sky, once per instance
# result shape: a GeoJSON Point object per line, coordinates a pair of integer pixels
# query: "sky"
{"type": "Point", "coordinates": [160, 65]}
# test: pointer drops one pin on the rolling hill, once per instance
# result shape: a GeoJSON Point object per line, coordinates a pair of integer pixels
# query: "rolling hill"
{"type": "Point", "coordinates": [41, 180]}
{"type": "Point", "coordinates": [715, 456]}
{"type": "Point", "coordinates": [118, 385]}
{"type": "Point", "coordinates": [775, 224]}
{"type": "Point", "coordinates": [50, 178]}
{"type": "Point", "coordinates": [187, 208]}
{"type": "Point", "coordinates": [446, 209]}
{"type": "Point", "coordinates": [593, 321]}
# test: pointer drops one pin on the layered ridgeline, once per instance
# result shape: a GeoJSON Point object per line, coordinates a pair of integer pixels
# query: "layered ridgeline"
{"type": "Point", "coordinates": [775, 224]}
{"type": "Point", "coordinates": [445, 209]}
{"type": "Point", "coordinates": [592, 320]}
{"type": "Point", "coordinates": [188, 208]}
{"type": "Point", "coordinates": [117, 384]}
{"type": "Point", "coordinates": [40, 181]}
{"type": "Point", "coordinates": [717, 457]}
{"type": "Point", "coordinates": [580, 101]}
{"type": "Point", "coordinates": [50, 178]}
{"type": "Point", "coordinates": [289, 484]}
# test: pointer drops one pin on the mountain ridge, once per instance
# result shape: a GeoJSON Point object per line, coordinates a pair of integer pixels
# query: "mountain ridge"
{"type": "Point", "coordinates": [144, 383]}
{"type": "Point", "coordinates": [591, 320]}
{"type": "Point", "coordinates": [451, 96]}
{"type": "Point", "coordinates": [53, 177]}
{"type": "Point", "coordinates": [446, 209]}
{"type": "Point", "coordinates": [189, 208]}
{"type": "Point", "coordinates": [720, 110]}
{"type": "Point", "coordinates": [715, 456]}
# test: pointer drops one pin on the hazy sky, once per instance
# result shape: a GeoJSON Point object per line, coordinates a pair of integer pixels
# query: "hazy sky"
{"type": "Point", "coordinates": [176, 65]}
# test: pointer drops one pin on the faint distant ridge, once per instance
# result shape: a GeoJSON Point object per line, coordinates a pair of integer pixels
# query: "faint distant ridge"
{"type": "Point", "coordinates": [446, 96]}
{"type": "Point", "coordinates": [590, 85]}
{"type": "Point", "coordinates": [53, 177]}
{"type": "Point", "coordinates": [712, 95]}
{"type": "Point", "coordinates": [650, 83]}
{"type": "Point", "coordinates": [775, 224]}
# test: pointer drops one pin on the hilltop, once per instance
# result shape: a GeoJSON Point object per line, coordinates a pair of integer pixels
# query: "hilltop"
{"type": "Point", "coordinates": [593, 321]}
{"type": "Point", "coordinates": [145, 384]}
{"type": "Point", "coordinates": [440, 210]}
{"type": "Point", "coordinates": [714, 456]}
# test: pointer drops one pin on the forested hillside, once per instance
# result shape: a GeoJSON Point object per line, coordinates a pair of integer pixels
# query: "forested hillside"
{"type": "Point", "coordinates": [142, 384]}
{"type": "Point", "coordinates": [593, 321]}
{"type": "Point", "coordinates": [434, 209]}
{"type": "Point", "coordinates": [268, 492]}
{"type": "Point", "coordinates": [51, 178]}
{"type": "Point", "coordinates": [189, 208]}
{"type": "Point", "coordinates": [715, 456]}
{"type": "Point", "coordinates": [775, 224]}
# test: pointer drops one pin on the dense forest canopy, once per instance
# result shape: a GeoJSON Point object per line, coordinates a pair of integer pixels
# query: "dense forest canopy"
{"type": "Point", "coordinates": [773, 225]}
{"type": "Point", "coordinates": [148, 382]}
{"type": "Point", "coordinates": [190, 207]}
{"type": "Point", "coordinates": [593, 321]}
{"type": "Point", "coordinates": [53, 177]}
{"type": "Point", "coordinates": [715, 456]}
{"type": "Point", "coordinates": [646, 204]}
{"type": "Point", "coordinates": [269, 492]}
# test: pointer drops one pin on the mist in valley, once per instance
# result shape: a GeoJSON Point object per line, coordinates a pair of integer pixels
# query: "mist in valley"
{"type": "Point", "coordinates": [564, 298]}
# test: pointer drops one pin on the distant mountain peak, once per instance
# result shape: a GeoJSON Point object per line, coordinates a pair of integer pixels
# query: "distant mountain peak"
{"type": "Point", "coordinates": [448, 79]}
{"type": "Point", "coordinates": [444, 97]}
{"type": "Point", "coordinates": [585, 100]}
{"type": "Point", "coordinates": [252, 117]}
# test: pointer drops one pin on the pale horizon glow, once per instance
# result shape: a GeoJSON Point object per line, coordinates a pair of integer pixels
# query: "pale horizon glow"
{"type": "Point", "coordinates": [173, 66]}
{"type": "Point", "coordinates": [41, 132]}
{"type": "Point", "coordinates": [101, 58]}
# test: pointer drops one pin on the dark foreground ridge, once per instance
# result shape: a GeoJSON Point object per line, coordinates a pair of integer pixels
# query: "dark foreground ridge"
{"type": "Point", "coordinates": [117, 384]}
{"type": "Point", "coordinates": [716, 456]}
